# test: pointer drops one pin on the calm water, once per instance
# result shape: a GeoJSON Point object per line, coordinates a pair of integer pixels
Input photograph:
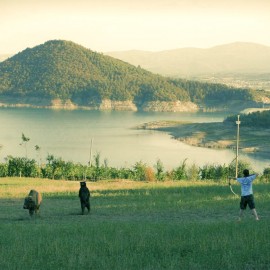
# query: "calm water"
{"type": "Point", "coordinates": [68, 134]}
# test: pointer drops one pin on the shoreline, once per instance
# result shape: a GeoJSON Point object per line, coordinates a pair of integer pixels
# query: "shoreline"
{"type": "Point", "coordinates": [105, 105]}
{"type": "Point", "coordinates": [215, 135]}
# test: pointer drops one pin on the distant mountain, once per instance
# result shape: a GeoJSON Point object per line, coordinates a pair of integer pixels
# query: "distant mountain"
{"type": "Point", "coordinates": [231, 58]}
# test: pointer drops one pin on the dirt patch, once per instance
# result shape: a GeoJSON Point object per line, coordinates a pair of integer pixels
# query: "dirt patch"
{"type": "Point", "coordinates": [250, 149]}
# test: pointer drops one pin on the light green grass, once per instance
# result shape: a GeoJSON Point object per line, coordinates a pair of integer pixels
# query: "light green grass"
{"type": "Point", "coordinates": [132, 225]}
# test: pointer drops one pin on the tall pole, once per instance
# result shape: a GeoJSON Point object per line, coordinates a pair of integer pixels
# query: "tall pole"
{"type": "Point", "coordinates": [90, 157]}
{"type": "Point", "coordinates": [237, 145]}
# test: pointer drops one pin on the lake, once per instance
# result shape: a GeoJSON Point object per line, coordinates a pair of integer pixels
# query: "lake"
{"type": "Point", "coordinates": [68, 134]}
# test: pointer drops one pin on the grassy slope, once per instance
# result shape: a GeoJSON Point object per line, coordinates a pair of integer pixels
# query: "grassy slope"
{"type": "Point", "coordinates": [174, 225]}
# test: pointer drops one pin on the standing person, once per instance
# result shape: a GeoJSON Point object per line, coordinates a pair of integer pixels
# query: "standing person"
{"type": "Point", "coordinates": [247, 193]}
{"type": "Point", "coordinates": [84, 195]}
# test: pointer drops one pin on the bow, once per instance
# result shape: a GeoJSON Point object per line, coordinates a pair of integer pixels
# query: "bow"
{"type": "Point", "coordinates": [237, 154]}
{"type": "Point", "coordinates": [230, 185]}
{"type": "Point", "coordinates": [230, 177]}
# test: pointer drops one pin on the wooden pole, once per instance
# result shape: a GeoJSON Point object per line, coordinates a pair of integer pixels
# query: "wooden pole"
{"type": "Point", "coordinates": [237, 145]}
{"type": "Point", "coordinates": [90, 157]}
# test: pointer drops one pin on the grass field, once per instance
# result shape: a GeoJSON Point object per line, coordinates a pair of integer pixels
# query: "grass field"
{"type": "Point", "coordinates": [132, 225]}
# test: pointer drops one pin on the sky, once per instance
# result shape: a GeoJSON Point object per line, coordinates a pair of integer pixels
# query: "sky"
{"type": "Point", "coordinates": [119, 25]}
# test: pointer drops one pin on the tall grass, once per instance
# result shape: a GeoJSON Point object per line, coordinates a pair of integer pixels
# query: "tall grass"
{"type": "Point", "coordinates": [132, 225]}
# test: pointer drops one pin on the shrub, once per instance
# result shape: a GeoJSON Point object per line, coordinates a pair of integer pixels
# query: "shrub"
{"type": "Point", "coordinates": [214, 172]}
{"type": "Point", "coordinates": [22, 167]}
{"type": "Point", "coordinates": [3, 170]}
{"type": "Point", "coordinates": [193, 172]}
{"type": "Point", "coordinates": [160, 174]}
{"type": "Point", "coordinates": [149, 174]}
{"type": "Point", "coordinates": [140, 171]}
{"type": "Point", "coordinates": [56, 168]}
{"type": "Point", "coordinates": [266, 174]}
{"type": "Point", "coordinates": [180, 173]}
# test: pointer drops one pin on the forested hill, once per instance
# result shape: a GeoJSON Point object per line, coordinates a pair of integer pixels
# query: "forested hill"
{"type": "Point", "coordinates": [260, 119]}
{"type": "Point", "coordinates": [67, 72]}
{"type": "Point", "coordinates": [214, 95]}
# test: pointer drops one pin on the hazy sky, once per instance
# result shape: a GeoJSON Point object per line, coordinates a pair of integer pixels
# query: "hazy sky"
{"type": "Point", "coordinates": [152, 25]}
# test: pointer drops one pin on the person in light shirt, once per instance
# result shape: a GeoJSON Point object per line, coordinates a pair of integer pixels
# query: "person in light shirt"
{"type": "Point", "coordinates": [247, 197]}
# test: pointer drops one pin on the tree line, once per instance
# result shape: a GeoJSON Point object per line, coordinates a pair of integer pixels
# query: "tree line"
{"type": "Point", "coordinates": [260, 119]}
{"type": "Point", "coordinates": [210, 94]}
{"type": "Point", "coordinates": [58, 169]}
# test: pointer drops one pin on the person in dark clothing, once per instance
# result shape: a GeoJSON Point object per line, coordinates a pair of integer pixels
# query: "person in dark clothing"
{"type": "Point", "coordinates": [84, 195]}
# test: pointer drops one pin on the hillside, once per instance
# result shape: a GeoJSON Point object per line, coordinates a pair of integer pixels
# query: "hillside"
{"type": "Point", "coordinates": [62, 74]}
{"type": "Point", "coordinates": [62, 70]}
{"type": "Point", "coordinates": [239, 58]}
{"type": "Point", "coordinates": [215, 96]}
{"type": "Point", "coordinates": [4, 57]}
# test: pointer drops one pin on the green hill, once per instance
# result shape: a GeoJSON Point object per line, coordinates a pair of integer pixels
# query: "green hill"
{"type": "Point", "coordinates": [259, 119]}
{"type": "Point", "coordinates": [64, 74]}
{"type": "Point", "coordinates": [65, 70]}
{"type": "Point", "coordinates": [222, 97]}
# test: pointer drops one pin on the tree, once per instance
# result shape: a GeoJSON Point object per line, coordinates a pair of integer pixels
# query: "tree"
{"type": "Point", "coordinates": [160, 175]}
{"type": "Point", "coordinates": [25, 140]}
{"type": "Point", "coordinates": [38, 149]}
{"type": "Point", "coordinates": [1, 146]}
{"type": "Point", "coordinates": [180, 173]}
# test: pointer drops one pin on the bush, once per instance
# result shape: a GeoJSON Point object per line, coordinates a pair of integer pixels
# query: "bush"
{"type": "Point", "coordinates": [160, 174]}
{"type": "Point", "coordinates": [56, 168]}
{"type": "Point", "coordinates": [22, 167]}
{"type": "Point", "coordinates": [180, 173]}
{"type": "Point", "coordinates": [140, 171]}
{"type": "Point", "coordinates": [266, 174]}
{"type": "Point", "coordinates": [149, 174]}
{"type": "Point", "coordinates": [193, 172]}
{"type": "Point", "coordinates": [215, 172]}
{"type": "Point", "coordinates": [3, 170]}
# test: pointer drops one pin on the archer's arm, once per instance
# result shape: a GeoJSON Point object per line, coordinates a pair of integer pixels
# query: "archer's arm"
{"type": "Point", "coordinates": [253, 176]}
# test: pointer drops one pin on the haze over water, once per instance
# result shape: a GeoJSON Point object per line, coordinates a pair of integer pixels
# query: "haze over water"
{"type": "Point", "coordinates": [68, 134]}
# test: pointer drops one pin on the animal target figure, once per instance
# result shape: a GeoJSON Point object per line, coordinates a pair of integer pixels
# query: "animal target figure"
{"type": "Point", "coordinates": [32, 202]}
{"type": "Point", "coordinates": [84, 195]}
